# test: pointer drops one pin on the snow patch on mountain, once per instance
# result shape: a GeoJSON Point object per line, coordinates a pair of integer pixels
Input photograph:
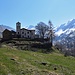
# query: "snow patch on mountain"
{"type": "Point", "coordinates": [30, 27]}
{"type": "Point", "coordinates": [70, 30]}
{"type": "Point", "coordinates": [71, 35]}
{"type": "Point", "coordinates": [3, 27]}
{"type": "Point", "coordinates": [66, 28]}
{"type": "Point", "coordinates": [59, 32]}
{"type": "Point", "coordinates": [68, 22]}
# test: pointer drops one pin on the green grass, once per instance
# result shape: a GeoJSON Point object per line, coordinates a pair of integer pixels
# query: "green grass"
{"type": "Point", "coordinates": [18, 62]}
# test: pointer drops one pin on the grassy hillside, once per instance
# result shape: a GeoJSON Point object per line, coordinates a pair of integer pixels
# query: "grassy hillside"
{"type": "Point", "coordinates": [18, 62]}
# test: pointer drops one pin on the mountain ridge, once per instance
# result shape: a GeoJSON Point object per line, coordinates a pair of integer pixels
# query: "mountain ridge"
{"type": "Point", "coordinates": [65, 29]}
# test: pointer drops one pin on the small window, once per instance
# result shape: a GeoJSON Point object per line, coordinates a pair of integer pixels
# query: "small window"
{"type": "Point", "coordinates": [28, 32]}
{"type": "Point", "coordinates": [13, 34]}
{"type": "Point", "coordinates": [22, 32]}
{"type": "Point", "coordinates": [28, 36]}
{"type": "Point", "coordinates": [31, 33]}
{"type": "Point", "coordinates": [18, 32]}
{"type": "Point", "coordinates": [22, 36]}
{"type": "Point", "coordinates": [25, 33]}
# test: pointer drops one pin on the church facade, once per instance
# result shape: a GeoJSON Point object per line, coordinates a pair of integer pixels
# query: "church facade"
{"type": "Point", "coordinates": [24, 33]}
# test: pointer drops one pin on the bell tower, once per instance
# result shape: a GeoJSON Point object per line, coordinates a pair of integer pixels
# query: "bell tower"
{"type": "Point", "coordinates": [18, 29]}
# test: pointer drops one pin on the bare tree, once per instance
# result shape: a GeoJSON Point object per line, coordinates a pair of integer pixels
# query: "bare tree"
{"type": "Point", "coordinates": [51, 32]}
{"type": "Point", "coordinates": [42, 28]}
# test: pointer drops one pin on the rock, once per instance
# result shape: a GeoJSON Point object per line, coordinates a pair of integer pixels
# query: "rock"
{"type": "Point", "coordinates": [22, 71]}
{"type": "Point", "coordinates": [13, 59]}
{"type": "Point", "coordinates": [55, 68]}
{"type": "Point", "coordinates": [44, 63]}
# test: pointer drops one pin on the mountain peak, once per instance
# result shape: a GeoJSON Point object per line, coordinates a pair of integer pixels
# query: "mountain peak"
{"type": "Point", "coordinates": [30, 27]}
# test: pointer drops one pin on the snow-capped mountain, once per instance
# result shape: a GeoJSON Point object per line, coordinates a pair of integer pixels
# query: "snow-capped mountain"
{"type": "Point", "coordinates": [65, 39]}
{"type": "Point", "coordinates": [66, 29]}
{"type": "Point", "coordinates": [3, 27]}
{"type": "Point", "coordinates": [30, 27]}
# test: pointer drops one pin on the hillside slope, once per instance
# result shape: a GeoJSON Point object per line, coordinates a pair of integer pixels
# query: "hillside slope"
{"type": "Point", "coordinates": [18, 62]}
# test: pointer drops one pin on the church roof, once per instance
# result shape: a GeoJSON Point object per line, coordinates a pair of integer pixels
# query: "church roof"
{"type": "Point", "coordinates": [24, 29]}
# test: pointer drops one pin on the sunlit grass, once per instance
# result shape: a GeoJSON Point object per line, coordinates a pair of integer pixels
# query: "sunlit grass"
{"type": "Point", "coordinates": [18, 62]}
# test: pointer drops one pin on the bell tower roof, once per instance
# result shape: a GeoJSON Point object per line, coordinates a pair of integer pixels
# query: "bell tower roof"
{"type": "Point", "coordinates": [18, 23]}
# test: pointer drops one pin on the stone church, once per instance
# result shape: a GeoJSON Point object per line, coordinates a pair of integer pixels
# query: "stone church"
{"type": "Point", "coordinates": [24, 33]}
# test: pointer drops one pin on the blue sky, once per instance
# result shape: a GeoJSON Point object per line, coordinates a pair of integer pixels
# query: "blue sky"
{"type": "Point", "coordinates": [31, 12]}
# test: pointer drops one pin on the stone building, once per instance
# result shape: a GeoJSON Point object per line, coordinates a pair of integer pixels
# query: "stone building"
{"type": "Point", "coordinates": [24, 33]}
{"type": "Point", "coordinates": [7, 34]}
